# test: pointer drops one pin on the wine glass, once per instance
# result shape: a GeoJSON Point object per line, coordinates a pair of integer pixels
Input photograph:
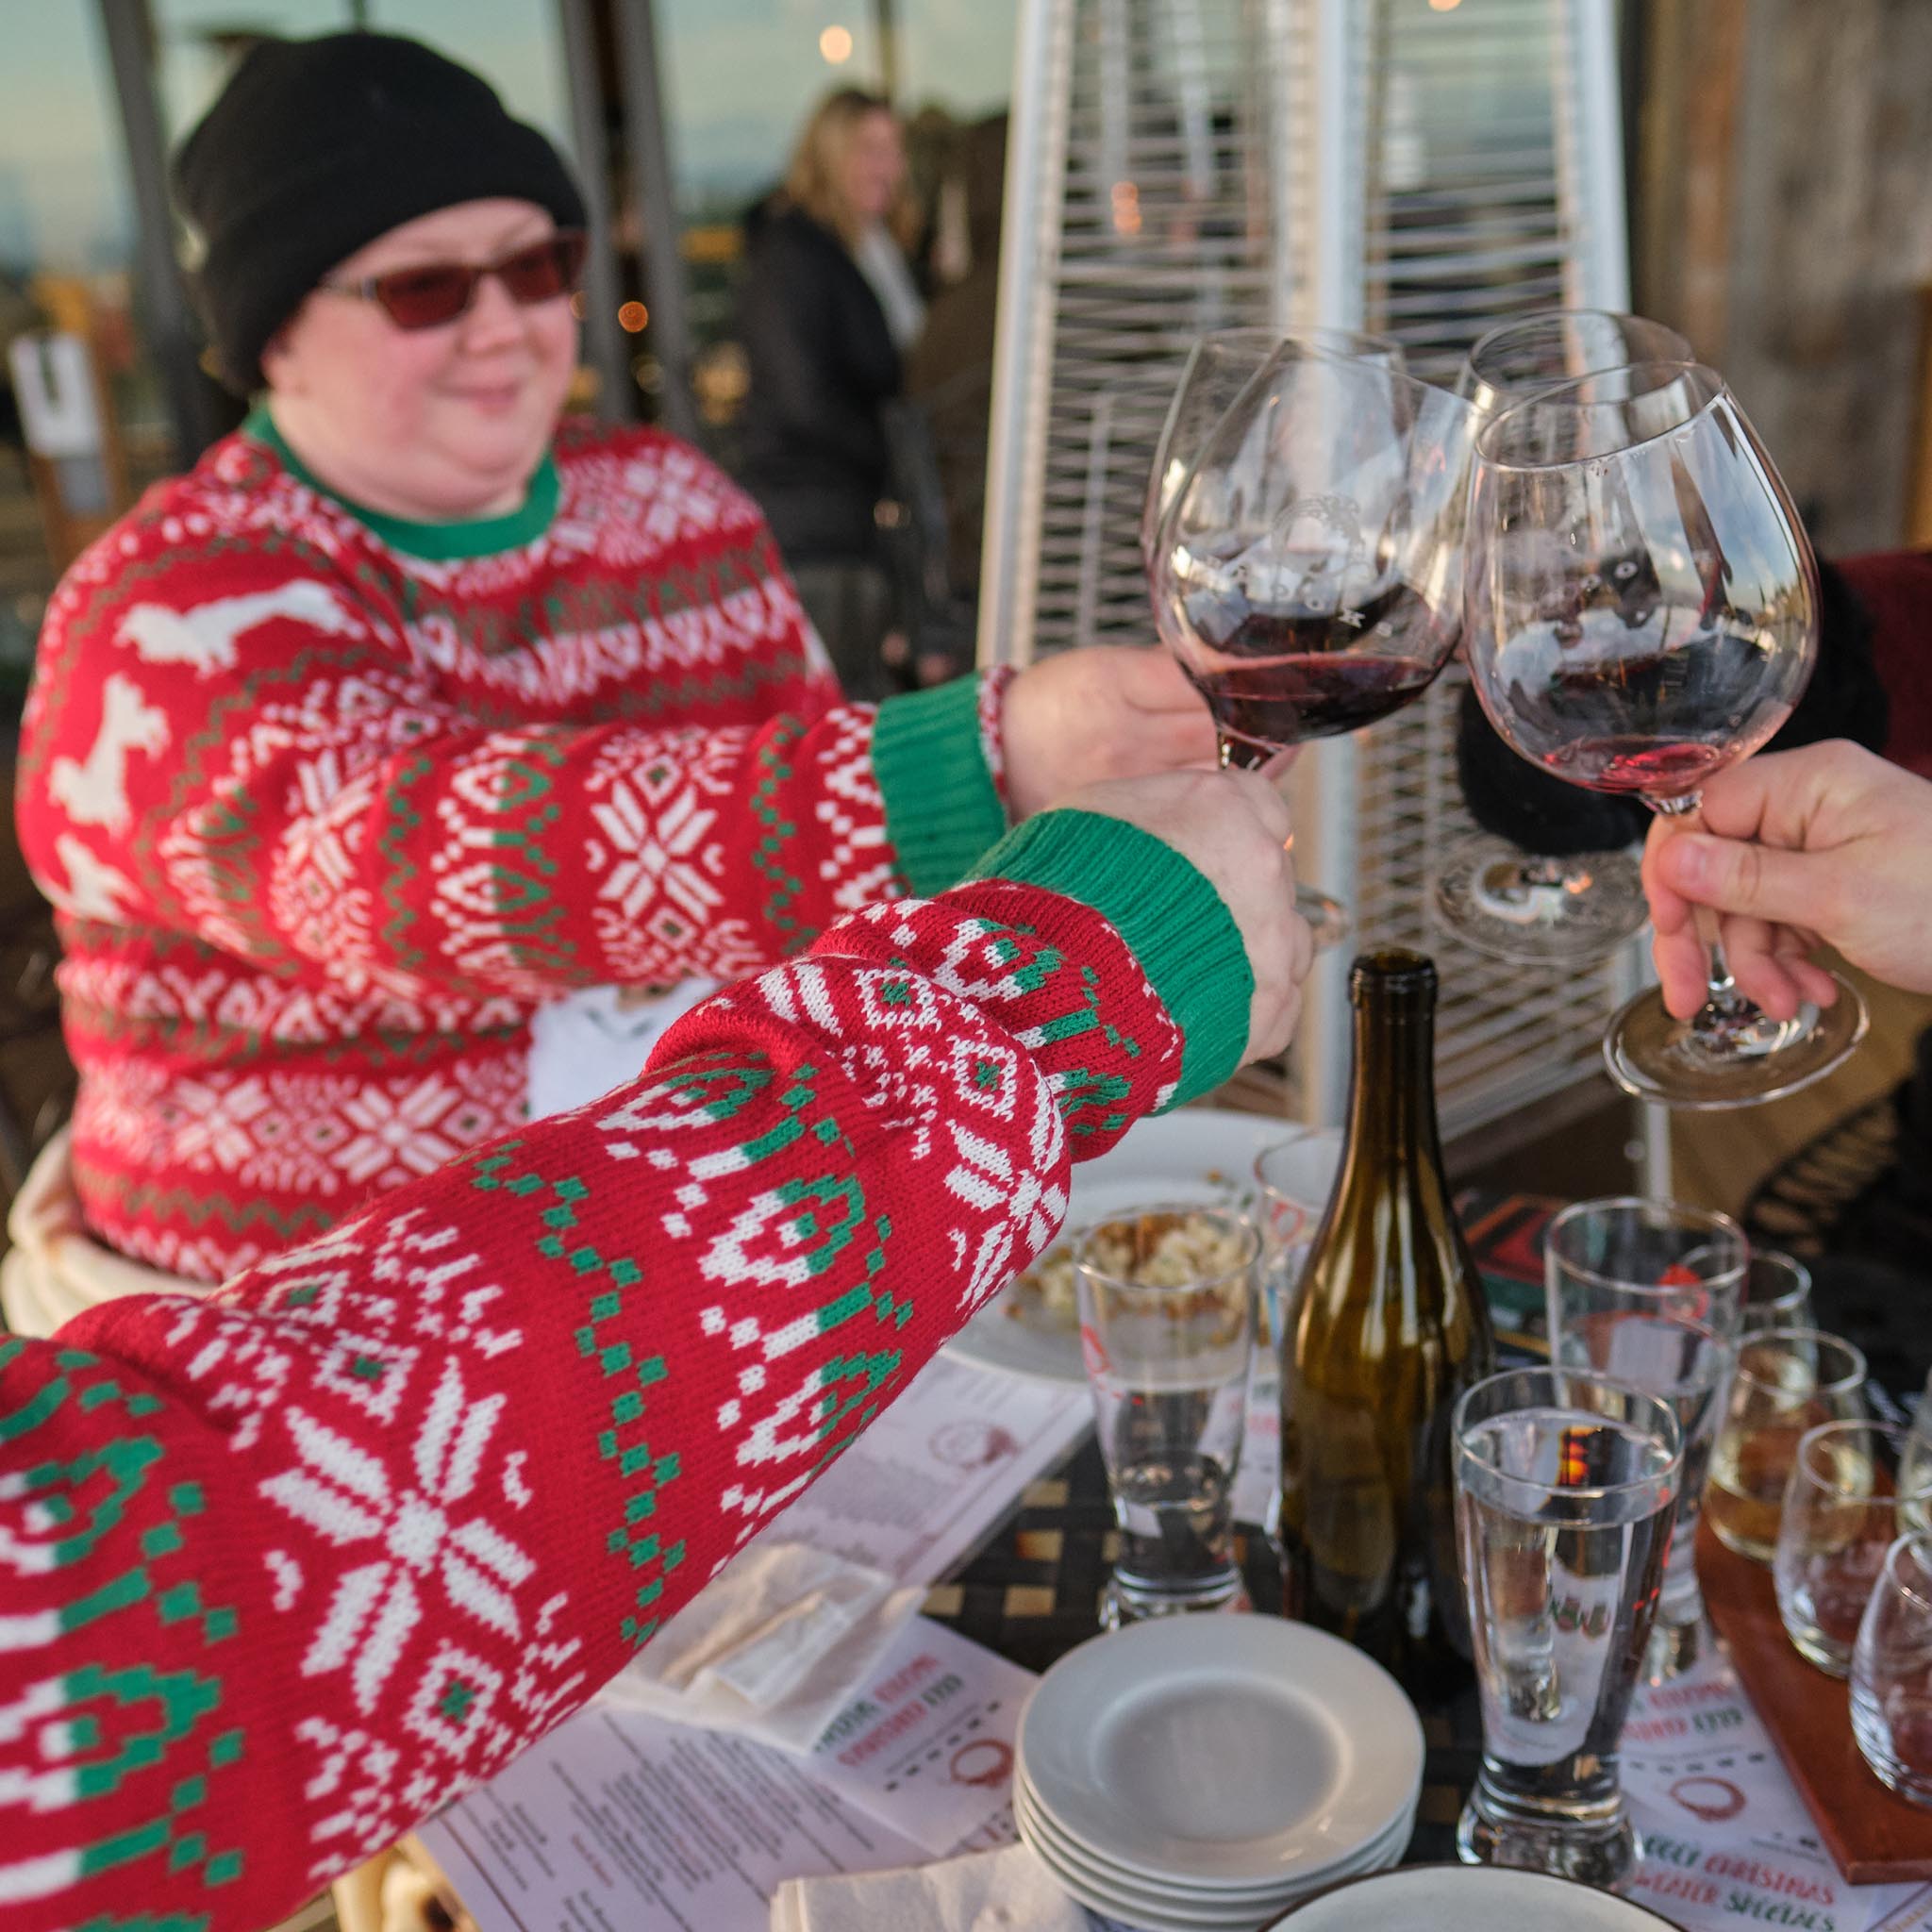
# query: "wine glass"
{"type": "Point", "coordinates": [1500, 899]}
{"type": "Point", "coordinates": [1643, 610]}
{"type": "Point", "coordinates": [1220, 365]}
{"type": "Point", "coordinates": [1308, 572]}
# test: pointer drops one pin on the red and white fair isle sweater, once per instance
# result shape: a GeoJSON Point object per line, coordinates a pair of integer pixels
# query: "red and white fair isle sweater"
{"type": "Point", "coordinates": [330, 804]}
{"type": "Point", "coordinates": [286, 1567]}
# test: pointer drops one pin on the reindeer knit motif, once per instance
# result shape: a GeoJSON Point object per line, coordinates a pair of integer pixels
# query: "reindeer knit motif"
{"type": "Point", "coordinates": [286, 1567]}
{"type": "Point", "coordinates": [328, 803]}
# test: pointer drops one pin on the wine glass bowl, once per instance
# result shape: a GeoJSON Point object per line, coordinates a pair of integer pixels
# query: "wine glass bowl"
{"type": "Point", "coordinates": [1219, 367]}
{"type": "Point", "coordinates": [1642, 611]}
{"type": "Point", "coordinates": [1307, 576]}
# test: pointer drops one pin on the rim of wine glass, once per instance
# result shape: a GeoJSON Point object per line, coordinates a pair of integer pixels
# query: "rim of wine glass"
{"type": "Point", "coordinates": [1897, 1435]}
{"type": "Point", "coordinates": [1560, 397]}
{"type": "Point", "coordinates": [1708, 1219]}
{"type": "Point", "coordinates": [1241, 1225]}
{"type": "Point", "coordinates": [1674, 1440]}
{"type": "Point", "coordinates": [1839, 1384]}
{"type": "Point", "coordinates": [1523, 324]}
{"type": "Point", "coordinates": [1919, 1543]}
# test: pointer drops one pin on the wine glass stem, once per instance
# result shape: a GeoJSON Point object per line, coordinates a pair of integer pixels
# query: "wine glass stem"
{"type": "Point", "coordinates": [1722, 1002]}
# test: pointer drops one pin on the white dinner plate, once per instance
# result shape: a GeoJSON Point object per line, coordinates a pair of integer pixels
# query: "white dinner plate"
{"type": "Point", "coordinates": [1466, 1898]}
{"type": "Point", "coordinates": [1227, 1752]}
{"type": "Point", "coordinates": [1200, 1156]}
{"type": "Point", "coordinates": [1218, 1905]}
{"type": "Point", "coordinates": [1190, 1915]}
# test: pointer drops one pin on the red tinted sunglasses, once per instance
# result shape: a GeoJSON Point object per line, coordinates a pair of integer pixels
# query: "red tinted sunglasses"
{"type": "Point", "coordinates": [438, 291]}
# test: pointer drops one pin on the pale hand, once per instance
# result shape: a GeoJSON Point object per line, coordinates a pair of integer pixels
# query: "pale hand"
{"type": "Point", "coordinates": [1827, 846]}
{"type": "Point", "coordinates": [1234, 830]}
{"type": "Point", "coordinates": [1109, 711]}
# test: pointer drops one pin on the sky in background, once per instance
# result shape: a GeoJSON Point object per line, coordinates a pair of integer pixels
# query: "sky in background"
{"type": "Point", "coordinates": [739, 75]}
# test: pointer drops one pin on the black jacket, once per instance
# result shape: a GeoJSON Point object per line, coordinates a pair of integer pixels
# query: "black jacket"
{"type": "Point", "coordinates": [823, 364]}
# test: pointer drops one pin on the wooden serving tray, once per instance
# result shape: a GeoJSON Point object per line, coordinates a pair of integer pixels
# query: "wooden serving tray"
{"type": "Point", "coordinates": [1873, 1837]}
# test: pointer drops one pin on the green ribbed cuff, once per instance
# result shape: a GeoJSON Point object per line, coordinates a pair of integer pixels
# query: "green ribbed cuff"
{"type": "Point", "coordinates": [941, 807]}
{"type": "Point", "coordinates": [1175, 922]}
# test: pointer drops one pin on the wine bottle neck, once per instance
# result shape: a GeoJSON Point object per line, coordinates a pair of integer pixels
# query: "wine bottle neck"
{"type": "Point", "coordinates": [1392, 1102]}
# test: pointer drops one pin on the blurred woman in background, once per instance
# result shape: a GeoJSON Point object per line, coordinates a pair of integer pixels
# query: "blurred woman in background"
{"type": "Point", "coordinates": [827, 310]}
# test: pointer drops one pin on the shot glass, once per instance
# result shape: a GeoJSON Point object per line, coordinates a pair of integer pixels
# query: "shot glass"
{"type": "Point", "coordinates": [1167, 1327]}
{"type": "Point", "coordinates": [1679, 1260]}
{"type": "Point", "coordinates": [1778, 1292]}
{"type": "Point", "coordinates": [1891, 1672]}
{"type": "Point", "coordinates": [1598, 1330]}
{"type": "Point", "coordinates": [1848, 1498]}
{"type": "Point", "coordinates": [1565, 1487]}
{"type": "Point", "coordinates": [1788, 1380]}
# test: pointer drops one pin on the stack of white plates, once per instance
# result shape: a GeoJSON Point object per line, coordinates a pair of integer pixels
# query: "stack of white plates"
{"type": "Point", "coordinates": [1208, 1772]}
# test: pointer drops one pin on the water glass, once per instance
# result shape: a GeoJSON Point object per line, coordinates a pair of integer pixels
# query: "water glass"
{"type": "Point", "coordinates": [1918, 1462]}
{"type": "Point", "coordinates": [1788, 1380]}
{"type": "Point", "coordinates": [1167, 1327]}
{"type": "Point", "coordinates": [1288, 1220]}
{"type": "Point", "coordinates": [1679, 1260]}
{"type": "Point", "coordinates": [1891, 1672]}
{"type": "Point", "coordinates": [1845, 1504]}
{"type": "Point", "coordinates": [1685, 1363]}
{"type": "Point", "coordinates": [1777, 1291]}
{"type": "Point", "coordinates": [1565, 1489]}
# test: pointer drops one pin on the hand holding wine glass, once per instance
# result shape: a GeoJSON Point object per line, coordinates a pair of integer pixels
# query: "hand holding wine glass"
{"type": "Point", "coordinates": [1642, 614]}
{"type": "Point", "coordinates": [1828, 843]}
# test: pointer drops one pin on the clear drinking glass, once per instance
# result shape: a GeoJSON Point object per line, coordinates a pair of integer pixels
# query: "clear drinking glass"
{"type": "Point", "coordinates": [1777, 1291]}
{"type": "Point", "coordinates": [1510, 903]}
{"type": "Point", "coordinates": [1643, 610]}
{"type": "Point", "coordinates": [1167, 1328]}
{"type": "Point", "coordinates": [1288, 1221]}
{"type": "Point", "coordinates": [1846, 1501]}
{"type": "Point", "coordinates": [1686, 1364]}
{"type": "Point", "coordinates": [1788, 1380]}
{"type": "Point", "coordinates": [1891, 1672]}
{"type": "Point", "coordinates": [1307, 572]}
{"type": "Point", "coordinates": [1678, 1260]}
{"type": "Point", "coordinates": [1565, 1489]}
{"type": "Point", "coordinates": [1917, 1463]}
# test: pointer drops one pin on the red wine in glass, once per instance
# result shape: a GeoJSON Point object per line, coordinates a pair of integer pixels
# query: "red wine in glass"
{"type": "Point", "coordinates": [1276, 677]}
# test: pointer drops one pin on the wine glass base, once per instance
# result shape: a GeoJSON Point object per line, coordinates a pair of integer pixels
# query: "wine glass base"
{"type": "Point", "coordinates": [1328, 920]}
{"type": "Point", "coordinates": [1509, 904]}
{"type": "Point", "coordinates": [1674, 1648]}
{"type": "Point", "coordinates": [1745, 1059]}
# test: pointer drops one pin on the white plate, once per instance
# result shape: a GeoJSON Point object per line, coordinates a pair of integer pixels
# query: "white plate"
{"type": "Point", "coordinates": [1177, 1916]}
{"type": "Point", "coordinates": [1181, 1896]}
{"type": "Point", "coordinates": [1466, 1898]}
{"type": "Point", "coordinates": [1230, 1752]}
{"type": "Point", "coordinates": [1201, 1155]}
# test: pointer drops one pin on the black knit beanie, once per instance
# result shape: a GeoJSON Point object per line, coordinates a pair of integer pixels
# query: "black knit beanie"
{"type": "Point", "coordinates": [316, 148]}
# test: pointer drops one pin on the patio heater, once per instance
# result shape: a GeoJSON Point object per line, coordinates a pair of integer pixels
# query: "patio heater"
{"type": "Point", "coordinates": [1421, 170]}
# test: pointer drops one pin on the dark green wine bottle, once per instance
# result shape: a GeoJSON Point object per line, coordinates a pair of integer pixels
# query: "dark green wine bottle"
{"type": "Point", "coordinates": [1388, 1327]}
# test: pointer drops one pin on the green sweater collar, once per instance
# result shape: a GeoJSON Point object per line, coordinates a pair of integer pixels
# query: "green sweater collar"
{"type": "Point", "coordinates": [432, 543]}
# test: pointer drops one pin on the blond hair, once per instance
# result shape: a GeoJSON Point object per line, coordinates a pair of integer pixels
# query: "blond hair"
{"type": "Point", "coordinates": [812, 179]}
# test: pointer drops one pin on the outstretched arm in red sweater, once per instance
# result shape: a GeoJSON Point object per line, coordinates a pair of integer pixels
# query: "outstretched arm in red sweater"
{"type": "Point", "coordinates": [283, 1570]}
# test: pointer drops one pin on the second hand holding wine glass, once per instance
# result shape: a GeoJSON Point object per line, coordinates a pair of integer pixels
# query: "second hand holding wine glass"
{"type": "Point", "coordinates": [1643, 610]}
{"type": "Point", "coordinates": [1308, 574]}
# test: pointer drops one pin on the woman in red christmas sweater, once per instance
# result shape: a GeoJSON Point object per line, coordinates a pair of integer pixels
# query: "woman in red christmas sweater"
{"type": "Point", "coordinates": [285, 1567]}
{"type": "Point", "coordinates": [412, 708]}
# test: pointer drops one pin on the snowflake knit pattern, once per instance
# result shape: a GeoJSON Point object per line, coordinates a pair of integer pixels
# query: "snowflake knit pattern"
{"type": "Point", "coordinates": [285, 1568]}
{"type": "Point", "coordinates": [328, 803]}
